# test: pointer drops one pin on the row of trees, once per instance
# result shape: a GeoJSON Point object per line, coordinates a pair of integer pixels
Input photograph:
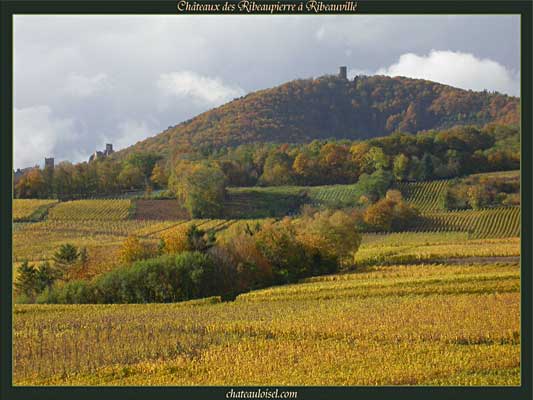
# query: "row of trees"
{"type": "Point", "coordinates": [425, 156]}
{"type": "Point", "coordinates": [103, 177]}
{"type": "Point", "coordinates": [429, 155]}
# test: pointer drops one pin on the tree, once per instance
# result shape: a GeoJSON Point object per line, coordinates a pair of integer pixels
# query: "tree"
{"type": "Point", "coordinates": [84, 259]}
{"type": "Point", "coordinates": [304, 167]}
{"type": "Point", "coordinates": [64, 259]}
{"type": "Point", "coordinates": [45, 277]}
{"type": "Point", "coordinates": [377, 158]}
{"type": "Point", "coordinates": [26, 282]}
{"type": "Point", "coordinates": [400, 167]}
{"type": "Point", "coordinates": [476, 196]}
{"type": "Point", "coordinates": [159, 178]}
{"type": "Point", "coordinates": [332, 236]}
{"type": "Point", "coordinates": [379, 215]}
{"type": "Point", "coordinates": [108, 173]}
{"type": "Point", "coordinates": [201, 187]}
{"type": "Point", "coordinates": [278, 244]}
{"type": "Point", "coordinates": [31, 184]}
{"type": "Point", "coordinates": [130, 177]}
{"type": "Point", "coordinates": [176, 241]}
{"type": "Point", "coordinates": [334, 162]}
{"type": "Point", "coordinates": [277, 169]}
{"type": "Point", "coordinates": [375, 186]}
{"type": "Point", "coordinates": [404, 216]}
{"type": "Point", "coordinates": [146, 163]}
{"type": "Point", "coordinates": [427, 167]}
{"type": "Point", "coordinates": [394, 195]}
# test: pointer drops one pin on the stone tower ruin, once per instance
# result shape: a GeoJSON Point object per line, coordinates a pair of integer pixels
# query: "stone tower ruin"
{"type": "Point", "coordinates": [343, 73]}
{"type": "Point", "coordinates": [49, 162]}
{"type": "Point", "coordinates": [108, 149]}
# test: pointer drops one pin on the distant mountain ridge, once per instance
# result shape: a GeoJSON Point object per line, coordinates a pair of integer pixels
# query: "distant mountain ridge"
{"type": "Point", "coordinates": [333, 107]}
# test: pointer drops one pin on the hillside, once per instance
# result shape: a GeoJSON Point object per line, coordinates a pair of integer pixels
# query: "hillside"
{"type": "Point", "coordinates": [330, 107]}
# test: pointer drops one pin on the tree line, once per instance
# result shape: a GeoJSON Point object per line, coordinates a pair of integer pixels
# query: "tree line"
{"type": "Point", "coordinates": [201, 177]}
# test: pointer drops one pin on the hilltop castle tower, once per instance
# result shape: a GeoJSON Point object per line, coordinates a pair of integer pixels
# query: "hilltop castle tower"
{"type": "Point", "coordinates": [49, 162]}
{"type": "Point", "coordinates": [343, 74]}
{"type": "Point", "coordinates": [98, 155]}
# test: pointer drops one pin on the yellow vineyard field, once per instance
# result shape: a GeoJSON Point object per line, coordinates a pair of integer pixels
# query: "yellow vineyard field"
{"type": "Point", "coordinates": [396, 325]}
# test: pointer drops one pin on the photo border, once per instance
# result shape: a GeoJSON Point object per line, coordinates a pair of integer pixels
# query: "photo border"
{"type": "Point", "coordinates": [8, 391]}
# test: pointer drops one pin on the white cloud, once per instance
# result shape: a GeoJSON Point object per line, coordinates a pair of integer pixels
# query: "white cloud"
{"type": "Point", "coordinates": [457, 69]}
{"type": "Point", "coordinates": [84, 86]}
{"type": "Point", "coordinates": [198, 88]}
{"type": "Point", "coordinates": [37, 133]}
{"type": "Point", "coordinates": [320, 33]}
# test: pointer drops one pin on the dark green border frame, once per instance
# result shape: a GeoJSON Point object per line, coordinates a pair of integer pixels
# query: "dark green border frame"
{"type": "Point", "coordinates": [8, 8]}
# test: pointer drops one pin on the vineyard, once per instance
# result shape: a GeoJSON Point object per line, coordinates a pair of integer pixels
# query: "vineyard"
{"type": "Point", "coordinates": [396, 325]}
{"type": "Point", "coordinates": [30, 209]}
{"type": "Point", "coordinates": [417, 247]}
{"type": "Point", "coordinates": [81, 210]}
{"type": "Point", "coordinates": [424, 195]}
{"type": "Point", "coordinates": [448, 292]}
{"type": "Point", "coordinates": [335, 194]}
{"type": "Point", "coordinates": [487, 223]}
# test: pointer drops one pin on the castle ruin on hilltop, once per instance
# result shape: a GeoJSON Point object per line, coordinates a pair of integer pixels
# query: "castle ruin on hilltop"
{"type": "Point", "coordinates": [98, 155]}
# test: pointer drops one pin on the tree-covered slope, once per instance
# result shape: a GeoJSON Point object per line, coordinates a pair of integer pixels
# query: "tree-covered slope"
{"type": "Point", "coordinates": [330, 107]}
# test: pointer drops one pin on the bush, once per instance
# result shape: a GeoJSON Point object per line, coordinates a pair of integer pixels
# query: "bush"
{"type": "Point", "coordinates": [163, 279]}
{"type": "Point", "coordinates": [79, 292]}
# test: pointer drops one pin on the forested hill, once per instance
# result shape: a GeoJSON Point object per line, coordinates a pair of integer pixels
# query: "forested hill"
{"type": "Point", "coordinates": [330, 107]}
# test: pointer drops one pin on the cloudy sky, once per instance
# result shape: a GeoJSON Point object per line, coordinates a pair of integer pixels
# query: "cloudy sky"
{"type": "Point", "coordinates": [83, 81]}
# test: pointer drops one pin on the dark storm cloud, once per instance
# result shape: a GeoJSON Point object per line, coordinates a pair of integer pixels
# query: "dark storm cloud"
{"type": "Point", "coordinates": [81, 81]}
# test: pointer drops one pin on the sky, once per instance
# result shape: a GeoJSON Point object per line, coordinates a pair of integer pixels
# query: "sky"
{"type": "Point", "coordinates": [83, 81]}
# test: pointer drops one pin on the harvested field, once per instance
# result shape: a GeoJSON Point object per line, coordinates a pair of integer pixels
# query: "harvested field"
{"type": "Point", "coordinates": [160, 210]}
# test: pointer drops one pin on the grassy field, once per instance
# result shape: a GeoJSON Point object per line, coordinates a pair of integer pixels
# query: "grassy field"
{"type": "Point", "coordinates": [396, 325]}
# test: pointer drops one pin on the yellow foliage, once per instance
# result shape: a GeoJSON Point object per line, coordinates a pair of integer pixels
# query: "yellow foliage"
{"type": "Point", "coordinates": [333, 234]}
{"type": "Point", "coordinates": [176, 239]}
{"type": "Point", "coordinates": [133, 250]}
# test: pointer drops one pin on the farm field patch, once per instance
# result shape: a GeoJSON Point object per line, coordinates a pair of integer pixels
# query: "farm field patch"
{"type": "Point", "coordinates": [159, 210]}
